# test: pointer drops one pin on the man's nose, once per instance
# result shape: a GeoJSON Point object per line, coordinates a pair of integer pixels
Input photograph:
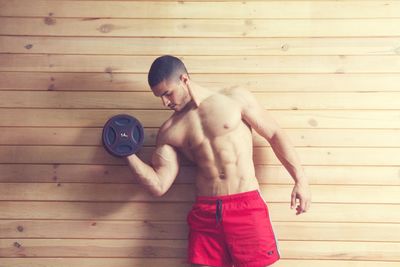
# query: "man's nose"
{"type": "Point", "coordinates": [165, 101]}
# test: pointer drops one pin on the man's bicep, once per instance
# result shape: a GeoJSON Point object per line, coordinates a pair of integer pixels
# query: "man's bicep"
{"type": "Point", "coordinates": [261, 122]}
{"type": "Point", "coordinates": [166, 165]}
{"type": "Point", "coordinates": [258, 118]}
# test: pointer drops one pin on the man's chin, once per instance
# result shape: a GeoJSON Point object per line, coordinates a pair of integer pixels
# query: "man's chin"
{"type": "Point", "coordinates": [176, 109]}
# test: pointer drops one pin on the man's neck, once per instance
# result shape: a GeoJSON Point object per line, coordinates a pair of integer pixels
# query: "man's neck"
{"type": "Point", "coordinates": [199, 93]}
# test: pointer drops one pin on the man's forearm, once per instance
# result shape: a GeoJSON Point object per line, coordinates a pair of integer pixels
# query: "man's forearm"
{"type": "Point", "coordinates": [146, 175]}
{"type": "Point", "coordinates": [286, 153]}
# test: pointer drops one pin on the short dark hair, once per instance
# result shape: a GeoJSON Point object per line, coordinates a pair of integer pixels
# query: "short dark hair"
{"type": "Point", "coordinates": [165, 68]}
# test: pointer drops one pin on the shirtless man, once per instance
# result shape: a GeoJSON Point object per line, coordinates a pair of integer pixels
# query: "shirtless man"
{"type": "Point", "coordinates": [229, 223]}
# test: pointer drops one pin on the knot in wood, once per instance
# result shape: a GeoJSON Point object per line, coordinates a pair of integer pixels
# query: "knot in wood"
{"type": "Point", "coordinates": [106, 28]}
{"type": "Point", "coordinates": [49, 21]}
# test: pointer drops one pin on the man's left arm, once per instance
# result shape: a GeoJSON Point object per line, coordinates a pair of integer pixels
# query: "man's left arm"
{"type": "Point", "coordinates": [262, 122]}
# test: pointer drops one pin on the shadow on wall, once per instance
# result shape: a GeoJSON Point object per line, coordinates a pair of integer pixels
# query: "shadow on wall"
{"type": "Point", "coordinates": [63, 184]}
{"type": "Point", "coordinates": [117, 206]}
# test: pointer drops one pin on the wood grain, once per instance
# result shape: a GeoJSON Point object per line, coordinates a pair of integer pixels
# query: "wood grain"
{"type": "Point", "coordinates": [327, 71]}
{"type": "Point", "coordinates": [123, 211]}
{"type": "Point", "coordinates": [146, 100]}
{"type": "Point", "coordinates": [202, 64]}
{"type": "Point", "coordinates": [158, 230]}
{"type": "Point", "coordinates": [199, 9]}
{"type": "Point", "coordinates": [288, 119]}
{"type": "Point", "coordinates": [51, 26]}
{"type": "Point", "coordinates": [285, 82]}
{"type": "Point", "coordinates": [177, 248]}
{"type": "Point", "coordinates": [200, 46]}
{"type": "Point", "coordinates": [266, 174]}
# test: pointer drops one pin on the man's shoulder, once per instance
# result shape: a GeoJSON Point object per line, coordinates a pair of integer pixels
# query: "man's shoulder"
{"type": "Point", "coordinates": [170, 130]}
{"type": "Point", "coordinates": [166, 125]}
{"type": "Point", "coordinates": [237, 93]}
{"type": "Point", "coordinates": [163, 130]}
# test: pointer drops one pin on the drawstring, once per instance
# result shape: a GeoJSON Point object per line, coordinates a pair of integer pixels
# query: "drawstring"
{"type": "Point", "coordinates": [218, 213]}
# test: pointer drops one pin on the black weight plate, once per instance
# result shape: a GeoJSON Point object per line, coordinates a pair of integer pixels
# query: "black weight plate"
{"type": "Point", "coordinates": [123, 135]}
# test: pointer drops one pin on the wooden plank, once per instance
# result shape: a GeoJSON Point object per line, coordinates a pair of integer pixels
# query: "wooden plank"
{"type": "Point", "coordinates": [103, 262]}
{"type": "Point", "coordinates": [93, 248]}
{"type": "Point", "coordinates": [310, 119]}
{"type": "Point", "coordinates": [338, 138]}
{"type": "Point", "coordinates": [61, 136]}
{"type": "Point", "coordinates": [76, 118]}
{"type": "Point", "coordinates": [342, 119]}
{"type": "Point", "coordinates": [341, 101]}
{"type": "Point", "coordinates": [147, 100]}
{"type": "Point", "coordinates": [202, 64]}
{"type": "Point", "coordinates": [337, 231]}
{"type": "Point", "coordinates": [373, 82]}
{"type": "Point", "coordinates": [335, 156]}
{"type": "Point", "coordinates": [97, 155]}
{"type": "Point", "coordinates": [266, 174]}
{"type": "Point", "coordinates": [186, 193]}
{"type": "Point", "coordinates": [178, 262]}
{"type": "Point", "coordinates": [340, 175]}
{"type": "Point", "coordinates": [178, 248]}
{"type": "Point", "coordinates": [299, 137]}
{"type": "Point", "coordinates": [139, 100]}
{"type": "Point", "coordinates": [73, 81]}
{"type": "Point", "coordinates": [189, 9]}
{"type": "Point", "coordinates": [51, 26]}
{"type": "Point", "coordinates": [95, 229]}
{"type": "Point", "coordinates": [62, 154]}
{"type": "Point", "coordinates": [327, 212]}
{"type": "Point", "coordinates": [340, 250]}
{"type": "Point", "coordinates": [379, 232]}
{"type": "Point", "coordinates": [199, 46]}
{"type": "Point", "coordinates": [93, 211]}
{"type": "Point", "coordinates": [97, 100]}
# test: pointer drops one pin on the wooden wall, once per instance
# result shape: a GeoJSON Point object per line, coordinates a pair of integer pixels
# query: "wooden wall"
{"type": "Point", "coordinates": [327, 70]}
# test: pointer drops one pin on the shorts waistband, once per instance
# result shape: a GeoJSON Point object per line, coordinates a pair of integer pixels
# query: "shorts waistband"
{"type": "Point", "coordinates": [228, 198]}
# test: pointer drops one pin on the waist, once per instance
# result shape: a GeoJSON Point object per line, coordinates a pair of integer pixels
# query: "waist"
{"type": "Point", "coordinates": [225, 187]}
{"type": "Point", "coordinates": [254, 194]}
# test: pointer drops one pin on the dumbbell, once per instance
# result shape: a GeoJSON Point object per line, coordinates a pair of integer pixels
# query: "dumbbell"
{"type": "Point", "coordinates": [123, 135]}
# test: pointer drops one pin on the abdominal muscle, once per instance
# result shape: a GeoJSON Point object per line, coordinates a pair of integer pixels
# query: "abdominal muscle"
{"type": "Point", "coordinates": [225, 163]}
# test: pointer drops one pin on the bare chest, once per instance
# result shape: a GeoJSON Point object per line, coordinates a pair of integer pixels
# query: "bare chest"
{"type": "Point", "coordinates": [215, 117]}
{"type": "Point", "coordinates": [218, 116]}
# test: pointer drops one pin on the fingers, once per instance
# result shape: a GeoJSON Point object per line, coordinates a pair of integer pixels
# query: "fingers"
{"type": "Point", "coordinates": [302, 198]}
{"type": "Point", "coordinates": [304, 206]}
{"type": "Point", "coordinates": [293, 200]}
{"type": "Point", "coordinates": [300, 208]}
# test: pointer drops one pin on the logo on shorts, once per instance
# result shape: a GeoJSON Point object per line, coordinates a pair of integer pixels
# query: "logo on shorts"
{"type": "Point", "coordinates": [270, 252]}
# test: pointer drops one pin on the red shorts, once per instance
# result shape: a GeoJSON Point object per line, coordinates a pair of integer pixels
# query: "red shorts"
{"type": "Point", "coordinates": [231, 230]}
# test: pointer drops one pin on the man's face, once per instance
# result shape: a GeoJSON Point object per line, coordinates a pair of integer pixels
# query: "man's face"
{"type": "Point", "coordinates": [173, 93]}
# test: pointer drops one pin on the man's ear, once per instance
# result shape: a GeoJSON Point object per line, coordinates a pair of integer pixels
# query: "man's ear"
{"type": "Point", "coordinates": [184, 78]}
{"type": "Point", "coordinates": [186, 81]}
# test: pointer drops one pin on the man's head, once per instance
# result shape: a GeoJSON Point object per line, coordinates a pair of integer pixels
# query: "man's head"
{"type": "Point", "coordinates": [169, 79]}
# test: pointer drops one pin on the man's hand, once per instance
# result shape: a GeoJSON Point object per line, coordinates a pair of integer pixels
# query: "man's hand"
{"type": "Point", "coordinates": [301, 192]}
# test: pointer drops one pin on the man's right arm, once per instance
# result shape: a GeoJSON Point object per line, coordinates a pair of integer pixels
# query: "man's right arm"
{"type": "Point", "coordinates": [158, 176]}
{"type": "Point", "coordinates": [254, 114]}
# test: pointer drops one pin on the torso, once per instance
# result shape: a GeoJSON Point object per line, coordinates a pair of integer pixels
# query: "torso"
{"type": "Point", "coordinates": [214, 136]}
